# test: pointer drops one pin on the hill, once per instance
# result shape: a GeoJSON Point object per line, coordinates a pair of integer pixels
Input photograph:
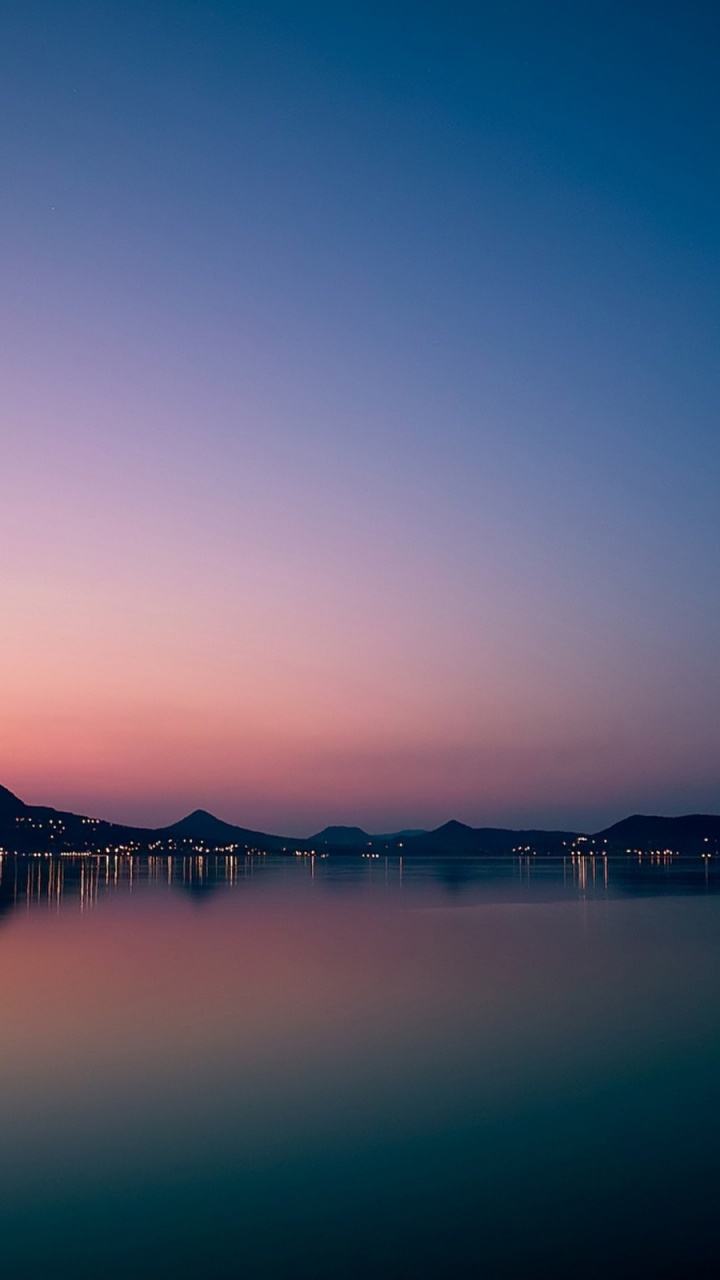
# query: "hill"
{"type": "Point", "coordinates": [690, 834]}
{"type": "Point", "coordinates": [9, 804]}
{"type": "Point", "coordinates": [457, 839]}
{"type": "Point", "coordinates": [201, 825]}
{"type": "Point", "coordinates": [341, 836]}
{"type": "Point", "coordinates": [356, 838]}
{"type": "Point", "coordinates": [39, 829]}
{"type": "Point", "coordinates": [32, 828]}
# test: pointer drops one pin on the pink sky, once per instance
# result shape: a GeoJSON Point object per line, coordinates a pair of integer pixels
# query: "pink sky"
{"type": "Point", "coordinates": [352, 468]}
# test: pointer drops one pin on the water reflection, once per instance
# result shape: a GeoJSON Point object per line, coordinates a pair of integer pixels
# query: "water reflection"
{"type": "Point", "coordinates": [288, 1069]}
{"type": "Point", "coordinates": [85, 879]}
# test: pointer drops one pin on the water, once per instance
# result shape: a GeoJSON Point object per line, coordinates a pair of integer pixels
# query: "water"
{"type": "Point", "coordinates": [217, 1068]}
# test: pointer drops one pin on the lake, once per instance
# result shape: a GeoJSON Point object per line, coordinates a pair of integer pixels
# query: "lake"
{"type": "Point", "coordinates": [340, 1067]}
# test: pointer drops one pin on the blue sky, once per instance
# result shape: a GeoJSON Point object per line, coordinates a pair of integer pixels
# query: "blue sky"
{"type": "Point", "coordinates": [384, 337]}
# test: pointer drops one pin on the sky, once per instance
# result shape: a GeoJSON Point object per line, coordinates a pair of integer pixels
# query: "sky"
{"type": "Point", "coordinates": [359, 440]}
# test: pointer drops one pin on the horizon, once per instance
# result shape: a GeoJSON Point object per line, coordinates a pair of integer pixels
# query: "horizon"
{"type": "Point", "coordinates": [361, 394]}
{"type": "Point", "coordinates": [387, 830]}
{"type": "Point", "coordinates": [359, 470]}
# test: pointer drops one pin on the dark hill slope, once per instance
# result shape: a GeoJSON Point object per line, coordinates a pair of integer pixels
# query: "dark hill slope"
{"type": "Point", "coordinates": [39, 829]}
{"type": "Point", "coordinates": [9, 804]}
{"type": "Point", "coordinates": [338, 837]}
{"type": "Point", "coordinates": [201, 825]}
{"type": "Point", "coordinates": [455, 838]}
{"type": "Point", "coordinates": [34, 828]}
{"type": "Point", "coordinates": [355, 838]}
{"type": "Point", "coordinates": [694, 833]}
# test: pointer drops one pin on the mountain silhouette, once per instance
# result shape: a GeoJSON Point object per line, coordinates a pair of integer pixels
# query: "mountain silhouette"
{"type": "Point", "coordinates": [692, 833]}
{"type": "Point", "coordinates": [201, 825]}
{"type": "Point", "coordinates": [9, 803]}
{"type": "Point", "coordinates": [28, 828]}
{"type": "Point", "coordinates": [406, 834]}
{"type": "Point", "coordinates": [337, 836]}
{"type": "Point", "coordinates": [460, 840]}
{"type": "Point", "coordinates": [355, 837]}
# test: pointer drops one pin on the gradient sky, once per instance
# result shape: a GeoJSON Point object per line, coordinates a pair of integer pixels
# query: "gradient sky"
{"type": "Point", "coordinates": [360, 447]}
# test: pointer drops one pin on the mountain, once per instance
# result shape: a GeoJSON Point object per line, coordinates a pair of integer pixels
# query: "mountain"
{"type": "Point", "coordinates": [457, 839]}
{"type": "Point", "coordinates": [451, 837]}
{"type": "Point", "coordinates": [26, 828]}
{"type": "Point", "coordinates": [694, 833]}
{"type": "Point", "coordinates": [34, 828]}
{"type": "Point", "coordinates": [454, 839]}
{"type": "Point", "coordinates": [9, 804]}
{"type": "Point", "coordinates": [341, 836]}
{"type": "Point", "coordinates": [355, 837]}
{"type": "Point", "coordinates": [400, 835]}
{"type": "Point", "coordinates": [201, 825]}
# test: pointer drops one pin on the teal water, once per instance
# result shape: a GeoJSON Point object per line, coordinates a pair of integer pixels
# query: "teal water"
{"type": "Point", "coordinates": [215, 1068]}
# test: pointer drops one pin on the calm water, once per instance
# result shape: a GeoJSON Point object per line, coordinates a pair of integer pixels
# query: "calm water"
{"type": "Point", "coordinates": [340, 1068]}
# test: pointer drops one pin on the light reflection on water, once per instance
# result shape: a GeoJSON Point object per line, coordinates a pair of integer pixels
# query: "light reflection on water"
{"type": "Point", "coordinates": [219, 1067]}
{"type": "Point", "coordinates": [88, 877]}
